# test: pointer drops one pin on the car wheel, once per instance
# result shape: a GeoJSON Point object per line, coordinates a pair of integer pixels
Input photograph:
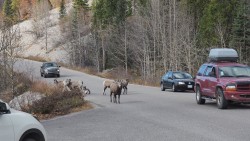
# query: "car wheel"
{"type": "Point", "coordinates": [58, 75]}
{"type": "Point", "coordinates": [41, 75]}
{"type": "Point", "coordinates": [222, 103]}
{"type": "Point", "coordinates": [162, 87]}
{"type": "Point", "coordinates": [199, 98]}
{"type": "Point", "coordinates": [44, 75]}
{"type": "Point", "coordinates": [173, 88]}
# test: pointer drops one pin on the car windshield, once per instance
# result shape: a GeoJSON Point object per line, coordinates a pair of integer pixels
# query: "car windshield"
{"type": "Point", "coordinates": [181, 75]}
{"type": "Point", "coordinates": [234, 71]}
{"type": "Point", "coordinates": [50, 65]}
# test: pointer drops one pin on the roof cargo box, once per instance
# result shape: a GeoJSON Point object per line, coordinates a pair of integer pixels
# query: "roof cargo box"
{"type": "Point", "coordinates": [223, 54]}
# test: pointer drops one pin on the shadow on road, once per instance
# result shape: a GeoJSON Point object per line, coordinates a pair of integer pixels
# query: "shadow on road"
{"type": "Point", "coordinates": [231, 106]}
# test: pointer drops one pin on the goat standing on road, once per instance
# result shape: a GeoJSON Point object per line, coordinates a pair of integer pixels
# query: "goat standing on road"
{"type": "Point", "coordinates": [106, 84]}
{"type": "Point", "coordinates": [124, 83]}
{"type": "Point", "coordinates": [115, 89]}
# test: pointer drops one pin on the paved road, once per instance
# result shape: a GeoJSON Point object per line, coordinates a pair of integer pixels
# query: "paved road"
{"type": "Point", "coordinates": [145, 114]}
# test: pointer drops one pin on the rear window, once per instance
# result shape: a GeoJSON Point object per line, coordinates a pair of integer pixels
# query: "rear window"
{"type": "Point", "coordinates": [234, 71]}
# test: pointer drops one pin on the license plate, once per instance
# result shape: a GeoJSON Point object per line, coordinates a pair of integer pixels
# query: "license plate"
{"type": "Point", "coordinates": [190, 86]}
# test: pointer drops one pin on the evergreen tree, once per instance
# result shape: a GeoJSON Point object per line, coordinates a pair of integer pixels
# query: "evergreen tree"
{"type": "Point", "coordinates": [240, 34]}
{"type": "Point", "coordinates": [62, 9]}
{"type": "Point", "coordinates": [217, 15]}
{"type": "Point", "coordinates": [111, 12]}
{"type": "Point", "coordinates": [8, 12]}
{"type": "Point", "coordinates": [81, 4]}
{"type": "Point", "coordinates": [15, 8]}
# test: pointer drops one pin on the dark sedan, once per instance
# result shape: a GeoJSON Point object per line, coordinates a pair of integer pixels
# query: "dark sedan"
{"type": "Point", "coordinates": [50, 69]}
{"type": "Point", "coordinates": [177, 80]}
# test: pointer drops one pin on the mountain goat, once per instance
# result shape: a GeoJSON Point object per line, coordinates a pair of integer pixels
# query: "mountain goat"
{"type": "Point", "coordinates": [115, 89]}
{"type": "Point", "coordinates": [124, 84]}
{"type": "Point", "coordinates": [64, 84]}
{"type": "Point", "coordinates": [106, 84]}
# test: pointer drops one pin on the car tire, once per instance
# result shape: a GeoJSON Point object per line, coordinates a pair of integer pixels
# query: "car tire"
{"type": "Point", "coordinates": [44, 75]}
{"type": "Point", "coordinates": [173, 88]}
{"type": "Point", "coordinates": [222, 103]}
{"type": "Point", "coordinates": [199, 98]}
{"type": "Point", "coordinates": [58, 75]}
{"type": "Point", "coordinates": [41, 75]}
{"type": "Point", "coordinates": [162, 87]}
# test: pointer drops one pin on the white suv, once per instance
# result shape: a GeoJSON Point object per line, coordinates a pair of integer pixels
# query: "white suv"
{"type": "Point", "coordinates": [19, 126]}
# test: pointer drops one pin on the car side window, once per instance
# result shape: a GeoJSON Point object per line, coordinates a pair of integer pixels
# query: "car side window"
{"type": "Point", "coordinates": [170, 75]}
{"type": "Point", "coordinates": [201, 70]}
{"type": "Point", "coordinates": [213, 72]}
{"type": "Point", "coordinates": [166, 76]}
{"type": "Point", "coordinates": [210, 71]}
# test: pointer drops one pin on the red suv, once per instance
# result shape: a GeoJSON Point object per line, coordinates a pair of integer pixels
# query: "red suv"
{"type": "Point", "coordinates": [223, 79]}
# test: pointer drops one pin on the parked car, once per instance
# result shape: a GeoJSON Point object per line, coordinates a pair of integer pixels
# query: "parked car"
{"type": "Point", "coordinates": [50, 69]}
{"type": "Point", "coordinates": [19, 126]}
{"type": "Point", "coordinates": [223, 79]}
{"type": "Point", "coordinates": [177, 80]}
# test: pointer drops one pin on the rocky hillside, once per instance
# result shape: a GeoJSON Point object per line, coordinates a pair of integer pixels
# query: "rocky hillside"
{"type": "Point", "coordinates": [25, 6]}
{"type": "Point", "coordinates": [33, 37]}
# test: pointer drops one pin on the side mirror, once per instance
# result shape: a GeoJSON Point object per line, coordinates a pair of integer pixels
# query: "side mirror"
{"type": "Point", "coordinates": [4, 108]}
{"type": "Point", "coordinates": [59, 66]}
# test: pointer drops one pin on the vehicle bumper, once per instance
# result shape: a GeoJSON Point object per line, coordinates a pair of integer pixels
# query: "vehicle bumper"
{"type": "Point", "coordinates": [184, 87]}
{"type": "Point", "coordinates": [243, 97]}
{"type": "Point", "coordinates": [52, 73]}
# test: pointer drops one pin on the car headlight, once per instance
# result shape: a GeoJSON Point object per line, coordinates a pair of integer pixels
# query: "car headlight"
{"type": "Point", "coordinates": [46, 70]}
{"type": "Point", "coordinates": [231, 87]}
{"type": "Point", "coordinates": [181, 83]}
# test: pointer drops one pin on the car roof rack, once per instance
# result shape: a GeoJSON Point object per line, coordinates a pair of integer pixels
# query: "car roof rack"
{"type": "Point", "coordinates": [222, 55]}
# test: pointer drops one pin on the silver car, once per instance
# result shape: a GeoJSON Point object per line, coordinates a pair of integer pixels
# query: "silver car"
{"type": "Point", "coordinates": [50, 69]}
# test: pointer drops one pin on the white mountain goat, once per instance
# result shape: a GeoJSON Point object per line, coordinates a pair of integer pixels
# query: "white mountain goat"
{"type": "Point", "coordinates": [63, 84]}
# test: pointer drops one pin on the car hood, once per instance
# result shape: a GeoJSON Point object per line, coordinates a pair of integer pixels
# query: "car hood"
{"type": "Point", "coordinates": [184, 80]}
{"type": "Point", "coordinates": [51, 68]}
{"type": "Point", "coordinates": [234, 79]}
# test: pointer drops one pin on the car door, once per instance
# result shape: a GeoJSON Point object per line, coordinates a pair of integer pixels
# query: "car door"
{"type": "Point", "coordinates": [170, 80]}
{"type": "Point", "coordinates": [205, 84]}
{"type": "Point", "coordinates": [212, 82]}
{"type": "Point", "coordinates": [164, 79]}
{"type": "Point", "coordinates": [6, 128]}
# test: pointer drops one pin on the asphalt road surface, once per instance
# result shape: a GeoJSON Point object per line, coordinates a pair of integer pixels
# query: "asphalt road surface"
{"type": "Point", "coordinates": [145, 114]}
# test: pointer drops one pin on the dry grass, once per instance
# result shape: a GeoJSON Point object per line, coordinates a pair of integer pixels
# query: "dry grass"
{"type": "Point", "coordinates": [44, 88]}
